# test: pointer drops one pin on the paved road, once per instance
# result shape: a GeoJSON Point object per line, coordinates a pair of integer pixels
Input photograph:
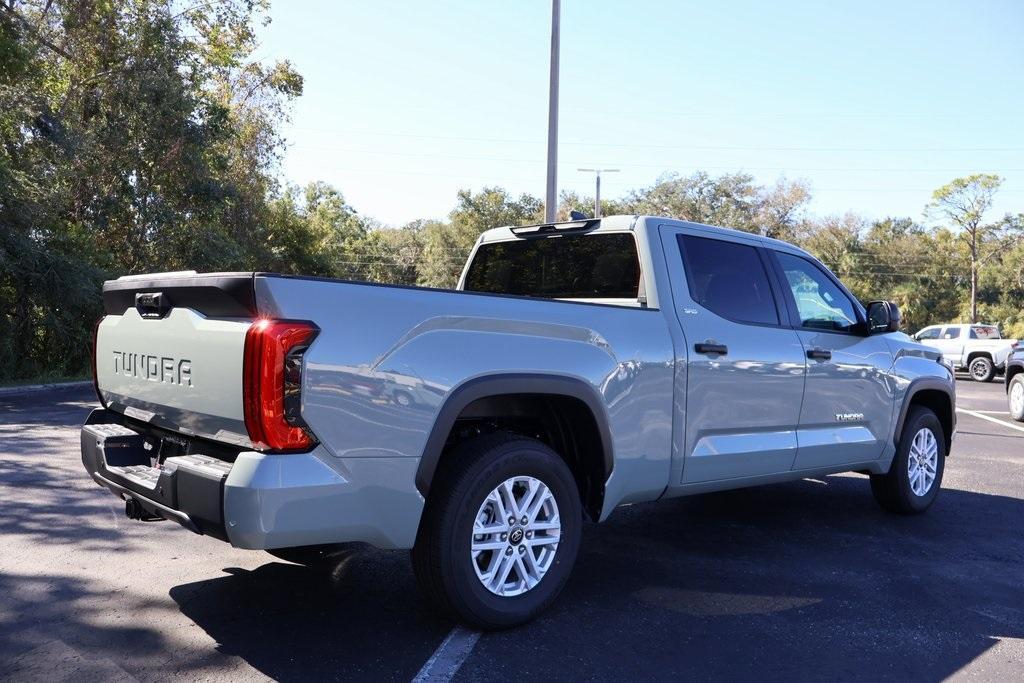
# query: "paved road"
{"type": "Point", "coordinates": [808, 579]}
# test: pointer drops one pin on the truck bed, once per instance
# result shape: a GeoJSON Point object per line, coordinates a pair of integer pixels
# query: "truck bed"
{"type": "Point", "coordinates": [383, 363]}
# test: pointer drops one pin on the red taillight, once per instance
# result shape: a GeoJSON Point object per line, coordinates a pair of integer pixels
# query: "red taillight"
{"type": "Point", "coordinates": [92, 359]}
{"type": "Point", "coordinates": [272, 382]}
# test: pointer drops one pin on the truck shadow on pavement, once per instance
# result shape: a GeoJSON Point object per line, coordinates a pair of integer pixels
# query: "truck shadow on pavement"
{"type": "Point", "coordinates": [808, 578]}
{"type": "Point", "coordinates": [357, 616]}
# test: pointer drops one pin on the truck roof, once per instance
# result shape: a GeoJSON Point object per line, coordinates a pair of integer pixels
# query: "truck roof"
{"type": "Point", "coordinates": [629, 222]}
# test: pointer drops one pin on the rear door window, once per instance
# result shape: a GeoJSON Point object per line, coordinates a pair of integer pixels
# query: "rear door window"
{"type": "Point", "coordinates": [951, 333]}
{"type": "Point", "coordinates": [729, 279]}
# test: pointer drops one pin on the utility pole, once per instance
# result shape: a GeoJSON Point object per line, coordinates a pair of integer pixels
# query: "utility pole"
{"type": "Point", "coordinates": [551, 195]}
{"type": "Point", "coordinates": [597, 190]}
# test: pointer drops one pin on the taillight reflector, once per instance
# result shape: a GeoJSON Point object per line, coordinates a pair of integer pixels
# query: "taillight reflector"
{"type": "Point", "coordinates": [267, 419]}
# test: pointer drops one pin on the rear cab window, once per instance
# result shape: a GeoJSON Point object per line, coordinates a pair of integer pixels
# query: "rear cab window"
{"type": "Point", "coordinates": [594, 267]}
{"type": "Point", "coordinates": [984, 332]}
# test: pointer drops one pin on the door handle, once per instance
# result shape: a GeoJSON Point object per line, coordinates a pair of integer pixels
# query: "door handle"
{"type": "Point", "coordinates": [710, 348]}
{"type": "Point", "coordinates": [819, 354]}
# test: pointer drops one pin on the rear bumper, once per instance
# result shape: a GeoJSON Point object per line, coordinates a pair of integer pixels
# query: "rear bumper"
{"type": "Point", "coordinates": [188, 489]}
{"type": "Point", "coordinates": [260, 500]}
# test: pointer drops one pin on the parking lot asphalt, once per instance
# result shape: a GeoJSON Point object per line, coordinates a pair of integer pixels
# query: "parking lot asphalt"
{"type": "Point", "coordinates": [807, 579]}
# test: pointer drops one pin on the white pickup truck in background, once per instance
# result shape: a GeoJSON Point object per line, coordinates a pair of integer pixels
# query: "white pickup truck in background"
{"type": "Point", "coordinates": [975, 348]}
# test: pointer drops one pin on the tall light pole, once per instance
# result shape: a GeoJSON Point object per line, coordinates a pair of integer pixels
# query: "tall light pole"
{"type": "Point", "coordinates": [551, 195]}
{"type": "Point", "coordinates": [597, 190]}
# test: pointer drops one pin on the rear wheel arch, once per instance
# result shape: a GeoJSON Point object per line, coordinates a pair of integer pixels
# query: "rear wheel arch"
{"type": "Point", "coordinates": [976, 354]}
{"type": "Point", "coordinates": [565, 413]}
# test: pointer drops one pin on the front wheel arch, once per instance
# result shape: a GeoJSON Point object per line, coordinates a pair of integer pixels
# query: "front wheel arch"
{"type": "Point", "coordinates": [936, 395]}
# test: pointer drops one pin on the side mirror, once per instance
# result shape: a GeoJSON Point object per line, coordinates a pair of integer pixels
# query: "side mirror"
{"type": "Point", "coordinates": [883, 316]}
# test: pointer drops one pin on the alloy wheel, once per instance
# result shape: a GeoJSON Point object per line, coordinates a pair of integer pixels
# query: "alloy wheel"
{"type": "Point", "coordinates": [1017, 399]}
{"type": "Point", "coordinates": [923, 461]}
{"type": "Point", "coordinates": [515, 536]}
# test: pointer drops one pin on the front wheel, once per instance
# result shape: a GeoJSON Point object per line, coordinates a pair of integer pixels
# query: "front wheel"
{"type": "Point", "coordinates": [912, 482]}
{"type": "Point", "coordinates": [500, 532]}
{"type": "Point", "coordinates": [1015, 397]}
{"type": "Point", "coordinates": [982, 369]}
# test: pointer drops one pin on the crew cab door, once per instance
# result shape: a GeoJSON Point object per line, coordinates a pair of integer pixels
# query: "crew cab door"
{"type": "Point", "coordinates": [951, 343]}
{"type": "Point", "coordinates": [744, 367]}
{"type": "Point", "coordinates": [848, 401]}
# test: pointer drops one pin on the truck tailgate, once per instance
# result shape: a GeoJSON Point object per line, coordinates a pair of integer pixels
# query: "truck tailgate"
{"type": "Point", "coordinates": [172, 365]}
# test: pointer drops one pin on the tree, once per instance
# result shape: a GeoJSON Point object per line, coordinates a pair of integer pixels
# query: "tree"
{"type": "Point", "coordinates": [962, 204]}
{"type": "Point", "coordinates": [135, 135]}
{"type": "Point", "coordinates": [395, 255]}
{"type": "Point", "coordinates": [732, 200]}
{"type": "Point", "coordinates": [729, 200]}
{"type": "Point", "coordinates": [446, 246]}
{"type": "Point", "coordinates": [780, 208]}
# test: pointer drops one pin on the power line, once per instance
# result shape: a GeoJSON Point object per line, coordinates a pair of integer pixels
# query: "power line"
{"type": "Point", "coordinates": [734, 167]}
{"type": "Point", "coordinates": [495, 180]}
{"type": "Point", "coordinates": [660, 146]}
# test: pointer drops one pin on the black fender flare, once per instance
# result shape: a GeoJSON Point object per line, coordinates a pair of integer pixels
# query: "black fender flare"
{"type": "Point", "coordinates": [916, 386]}
{"type": "Point", "coordinates": [502, 385]}
{"type": "Point", "coordinates": [1013, 367]}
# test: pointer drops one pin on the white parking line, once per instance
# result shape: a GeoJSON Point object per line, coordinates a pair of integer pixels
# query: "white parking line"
{"type": "Point", "coordinates": [975, 413]}
{"type": "Point", "coordinates": [448, 656]}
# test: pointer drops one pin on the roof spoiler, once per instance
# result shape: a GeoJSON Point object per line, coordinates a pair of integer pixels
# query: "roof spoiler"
{"type": "Point", "coordinates": [565, 226]}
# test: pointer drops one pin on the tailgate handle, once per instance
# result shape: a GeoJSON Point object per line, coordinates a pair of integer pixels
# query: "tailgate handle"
{"type": "Point", "coordinates": [152, 304]}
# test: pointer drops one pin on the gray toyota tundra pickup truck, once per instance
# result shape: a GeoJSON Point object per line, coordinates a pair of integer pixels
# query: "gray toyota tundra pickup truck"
{"type": "Point", "coordinates": [578, 367]}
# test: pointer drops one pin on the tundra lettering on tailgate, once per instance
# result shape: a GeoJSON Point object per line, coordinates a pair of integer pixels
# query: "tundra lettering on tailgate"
{"type": "Point", "coordinates": [153, 368]}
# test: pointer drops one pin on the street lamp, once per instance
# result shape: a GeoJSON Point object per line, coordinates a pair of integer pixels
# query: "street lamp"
{"type": "Point", "coordinates": [597, 190]}
{"type": "Point", "coordinates": [551, 195]}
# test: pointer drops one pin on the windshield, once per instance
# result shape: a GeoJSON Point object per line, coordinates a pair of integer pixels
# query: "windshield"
{"type": "Point", "coordinates": [594, 266]}
{"type": "Point", "coordinates": [984, 332]}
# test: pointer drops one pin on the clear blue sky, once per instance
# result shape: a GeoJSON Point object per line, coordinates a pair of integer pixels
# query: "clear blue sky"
{"type": "Point", "coordinates": [874, 103]}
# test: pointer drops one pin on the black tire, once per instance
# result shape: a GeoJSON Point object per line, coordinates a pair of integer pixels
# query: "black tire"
{"type": "Point", "coordinates": [981, 369]}
{"type": "Point", "coordinates": [893, 490]}
{"type": "Point", "coordinates": [441, 557]}
{"type": "Point", "coordinates": [1016, 385]}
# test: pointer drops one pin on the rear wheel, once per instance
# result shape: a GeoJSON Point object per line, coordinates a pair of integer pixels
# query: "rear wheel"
{"type": "Point", "coordinates": [912, 482]}
{"type": "Point", "coordinates": [1015, 397]}
{"type": "Point", "coordinates": [982, 369]}
{"type": "Point", "coordinates": [500, 533]}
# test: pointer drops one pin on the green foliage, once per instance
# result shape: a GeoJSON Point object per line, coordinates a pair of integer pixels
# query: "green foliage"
{"type": "Point", "coordinates": [732, 200]}
{"type": "Point", "coordinates": [134, 135]}
{"type": "Point", "coordinates": [142, 135]}
{"type": "Point", "coordinates": [961, 206]}
{"type": "Point", "coordinates": [446, 245]}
